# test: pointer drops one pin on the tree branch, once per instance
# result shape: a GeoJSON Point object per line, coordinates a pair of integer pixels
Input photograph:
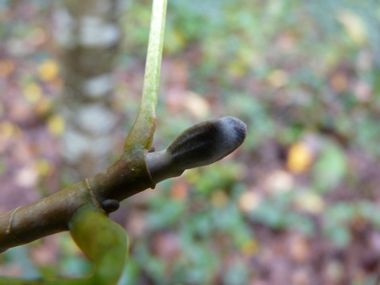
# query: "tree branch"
{"type": "Point", "coordinates": [134, 172]}
{"type": "Point", "coordinates": [126, 177]}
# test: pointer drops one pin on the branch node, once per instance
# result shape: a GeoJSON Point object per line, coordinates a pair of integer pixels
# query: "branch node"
{"type": "Point", "coordinates": [93, 197]}
{"type": "Point", "coordinates": [8, 231]}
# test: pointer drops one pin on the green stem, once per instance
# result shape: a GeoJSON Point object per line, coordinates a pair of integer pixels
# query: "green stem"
{"type": "Point", "coordinates": [141, 134]}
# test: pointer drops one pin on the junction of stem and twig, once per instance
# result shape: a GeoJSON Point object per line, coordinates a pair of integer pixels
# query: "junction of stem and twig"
{"type": "Point", "coordinates": [141, 134]}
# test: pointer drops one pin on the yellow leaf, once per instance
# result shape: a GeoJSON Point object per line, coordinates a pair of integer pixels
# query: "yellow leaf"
{"type": "Point", "coordinates": [43, 167]}
{"type": "Point", "coordinates": [56, 125]}
{"type": "Point", "coordinates": [250, 247]}
{"type": "Point", "coordinates": [175, 41]}
{"type": "Point", "coordinates": [43, 107]}
{"type": "Point", "coordinates": [300, 157]}
{"type": "Point", "coordinates": [354, 26]}
{"type": "Point", "coordinates": [32, 92]}
{"type": "Point", "coordinates": [192, 175]}
{"type": "Point", "coordinates": [248, 201]}
{"type": "Point", "coordinates": [219, 198]}
{"type": "Point", "coordinates": [48, 70]}
{"type": "Point", "coordinates": [236, 69]}
{"type": "Point", "coordinates": [310, 202]}
{"type": "Point", "coordinates": [8, 129]}
{"type": "Point", "coordinates": [278, 78]}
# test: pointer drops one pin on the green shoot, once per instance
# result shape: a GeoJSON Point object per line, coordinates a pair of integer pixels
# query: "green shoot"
{"type": "Point", "coordinates": [141, 134]}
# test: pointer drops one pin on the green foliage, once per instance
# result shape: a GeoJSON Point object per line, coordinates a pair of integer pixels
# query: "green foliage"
{"type": "Point", "coordinates": [293, 70]}
{"type": "Point", "coordinates": [210, 179]}
{"type": "Point", "coordinates": [164, 213]}
{"type": "Point", "coordinates": [340, 216]}
{"type": "Point", "coordinates": [330, 168]}
{"type": "Point", "coordinates": [278, 214]}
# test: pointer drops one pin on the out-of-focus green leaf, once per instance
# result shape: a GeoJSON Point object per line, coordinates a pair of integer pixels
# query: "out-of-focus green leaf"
{"type": "Point", "coordinates": [354, 26]}
{"type": "Point", "coordinates": [164, 213]}
{"type": "Point", "coordinates": [338, 234]}
{"type": "Point", "coordinates": [330, 167]}
{"type": "Point", "coordinates": [336, 222]}
{"type": "Point", "coordinates": [201, 262]}
{"type": "Point", "coordinates": [272, 212]}
{"type": "Point", "coordinates": [218, 177]}
{"type": "Point", "coordinates": [149, 264]}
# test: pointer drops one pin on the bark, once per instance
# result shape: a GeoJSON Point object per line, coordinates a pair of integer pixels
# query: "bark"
{"type": "Point", "coordinates": [89, 35]}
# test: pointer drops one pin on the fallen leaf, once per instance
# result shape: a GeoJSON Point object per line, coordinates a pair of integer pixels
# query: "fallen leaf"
{"type": "Point", "coordinates": [32, 92]}
{"type": "Point", "coordinates": [48, 70]}
{"type": "Point", "coordinates": [44, 167]}
{"type": "Point", "coordinates": [278, 78]}
{"type": "Point", "coordinates": [8, 129]}
{"type": "Point", "coordinates": [249, 201]}
{"type": "Point", "coordinates": [56, 125]}
{"type": "Point", "coordinates": [310, 202]}
{"type": "Point", "coordinates": [219, 198]}
{"type": "Point", "coordinates": [279, 181]}
{"type": "Point", "coordinates": [354, 26]}
{"type": "Point", "coordinates": [300, 157]}
{"type": "Point", "coordinates": [250, 247]}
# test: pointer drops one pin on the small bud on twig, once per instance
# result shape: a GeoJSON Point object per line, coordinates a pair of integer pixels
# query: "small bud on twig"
{"type": "Point", "coordinates": [200, 145]}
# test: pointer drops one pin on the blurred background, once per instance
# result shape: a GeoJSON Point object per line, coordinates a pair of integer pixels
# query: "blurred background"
{"type": "Point", "coordinates": [297, 203]}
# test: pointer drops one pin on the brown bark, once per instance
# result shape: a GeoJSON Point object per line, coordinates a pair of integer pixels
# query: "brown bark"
{"type": "Point", "coordinates": [126, 177]}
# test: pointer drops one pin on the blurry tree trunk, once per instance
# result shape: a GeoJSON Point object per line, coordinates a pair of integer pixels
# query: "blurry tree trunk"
{"type": "Point", "coordinates": [89, 35]}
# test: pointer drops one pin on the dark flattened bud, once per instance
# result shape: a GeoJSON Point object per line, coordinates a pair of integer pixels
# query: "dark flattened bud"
{"type": "Point", "coordinates": [207, 142]}
{"type": "Point", "coordinates": [200, 145]}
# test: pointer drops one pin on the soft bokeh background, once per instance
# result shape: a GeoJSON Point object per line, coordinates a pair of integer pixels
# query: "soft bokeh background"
{"type": "Point", "coordinates": [298, 203]}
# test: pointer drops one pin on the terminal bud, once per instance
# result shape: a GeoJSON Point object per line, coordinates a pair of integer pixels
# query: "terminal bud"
{"type": "Point", "coordinates": [199, 145]}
